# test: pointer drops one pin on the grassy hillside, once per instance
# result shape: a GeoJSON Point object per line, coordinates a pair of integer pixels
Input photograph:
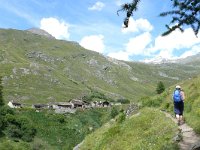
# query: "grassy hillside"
{"type": "Point", "coordinates": [38, 69]}
{"type": "Point", "coordinates": [192, 102]}
{"type": "Point", "coordinates": [164, 101]}
{"type": "Point", "coordinates": [149, 129]}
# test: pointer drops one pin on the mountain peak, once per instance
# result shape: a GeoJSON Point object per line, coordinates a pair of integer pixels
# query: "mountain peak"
{"type": "Point", "coordinates": [41, 32]}
{"type": "Point", "coordinates": [158, 60]}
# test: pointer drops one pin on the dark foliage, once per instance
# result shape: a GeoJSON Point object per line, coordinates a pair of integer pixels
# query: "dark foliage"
{"type": "Point", "coordinates": [114, 112]}
{"type": "Point", "coordinates": [160, 87]}
{"type": "Point", "coordinates": [20, 128]}
{"type": "Point", "coordinates": [4, 111]}
{"type": "Point", "coordinates": [129, 8]}
{"type": "Point", "coordinates": [184, 13]}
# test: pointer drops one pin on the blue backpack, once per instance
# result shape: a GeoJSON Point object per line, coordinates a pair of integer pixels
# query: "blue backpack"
{"type": "Point", "coordinates": [177, 96]}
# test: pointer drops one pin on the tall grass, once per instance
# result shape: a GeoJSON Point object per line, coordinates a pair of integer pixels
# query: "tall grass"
{"type": "Point", "coordinates": [148, 130]}
{"type": "Point", "coordinates": [191, 104]}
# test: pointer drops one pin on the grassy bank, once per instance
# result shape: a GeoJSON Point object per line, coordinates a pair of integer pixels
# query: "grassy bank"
{"type": "Point", "coordinates": [164, 101]}
{"type": "Point", "coordinates": [192, 102]}
{"type": "Point", "coordinates": [149, 129]}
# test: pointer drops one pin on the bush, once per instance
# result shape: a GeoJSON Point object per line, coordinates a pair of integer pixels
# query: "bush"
{"type": "Point", "coordinates": [4, 111]}
{"type": "Point", "coordinates": [121, 117]}
{"type": "Point", "coordinates": [114, 112]}
{"type": "Point", "coordinates": [20, 128]}
{"type": "Point", "coordinates": [14, 132]}
{"type": "Point", "coordinates": [160, 87]}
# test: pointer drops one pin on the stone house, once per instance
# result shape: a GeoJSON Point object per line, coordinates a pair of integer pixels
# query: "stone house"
{"type": "Point", "coordinates": [40, 106]}
{"type": "Point", "coordinates": [77, 103]}
{"type": "Point", "coordinates": [13, 104]}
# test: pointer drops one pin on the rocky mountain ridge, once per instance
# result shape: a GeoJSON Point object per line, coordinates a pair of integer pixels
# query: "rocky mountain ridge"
{"type": "Point", "coordinates": [41, 32]}
{"type": "Point", "coordinates": [42, 69]}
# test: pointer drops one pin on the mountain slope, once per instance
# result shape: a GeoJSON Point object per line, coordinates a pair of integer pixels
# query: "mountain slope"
{"type": "Point", "coordinates": [39, 69]}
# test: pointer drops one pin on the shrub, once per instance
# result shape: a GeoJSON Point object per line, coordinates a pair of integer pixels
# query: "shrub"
{"type": "Point", "coordinates": [61, 118]}
{"type": "Point", "coordinates": [160, 87]}
{"type": "Point", "coordinates": [114, 112]}
{"type": "Point", "coordinates": [14, 132]}
{"type": "Point", "coordinates": [4, 111]}
{"type": "Point", "coordinates": [121, 117]}
{"type": "Point", "coordinates": [20, 128]}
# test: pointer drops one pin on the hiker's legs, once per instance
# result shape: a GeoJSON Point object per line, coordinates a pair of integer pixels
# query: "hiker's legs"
{"type": "Point", "coordinates": [181, 117]}
{"type": "Point", "coordinates": [177, 116]}
{"type": "Point", "coordinates": [181, 112]}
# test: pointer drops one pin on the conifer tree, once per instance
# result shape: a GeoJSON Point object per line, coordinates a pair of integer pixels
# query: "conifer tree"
{"type": "Point", "coordinates": [160, 87]}
{"type": "Point", "coordinates": [184, 13]}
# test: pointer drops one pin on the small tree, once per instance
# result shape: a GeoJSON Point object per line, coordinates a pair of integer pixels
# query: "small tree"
{"type": "Point", "coordinates": [1, 93]}
{"type": "Point", "coordinates": [160, 87]}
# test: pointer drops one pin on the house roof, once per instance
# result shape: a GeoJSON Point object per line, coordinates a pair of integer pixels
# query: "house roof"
{"type": "Point", "coordinates": [40, 105]}
{"type": "Point", "coordinates": [78, 102]}
{"type": "Point", "coordinates": [64, 103]}
{"type": "Point", "coordinates": [16, 103]}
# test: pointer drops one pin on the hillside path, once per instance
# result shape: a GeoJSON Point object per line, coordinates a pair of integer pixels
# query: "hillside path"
{"type": "Point", "coordinates": [190, 138]}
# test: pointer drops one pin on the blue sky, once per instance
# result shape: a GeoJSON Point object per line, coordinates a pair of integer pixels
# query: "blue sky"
{"type": "Point", "coordinates": [95, 25]}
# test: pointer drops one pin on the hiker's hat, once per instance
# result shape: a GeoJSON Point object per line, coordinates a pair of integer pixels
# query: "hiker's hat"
{"type": "Point", "coordinates": [178, 87]}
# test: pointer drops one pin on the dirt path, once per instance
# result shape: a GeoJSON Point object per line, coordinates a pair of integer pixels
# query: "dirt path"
{"type": "Point", "coordinates": [190, 139]}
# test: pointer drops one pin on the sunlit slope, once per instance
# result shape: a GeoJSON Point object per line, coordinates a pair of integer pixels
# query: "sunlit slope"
{"type": "Point", "coordinates": [192, 102]}
{"type": "Point", "coordinates": [147, 129]}
{"type": "Point", "coordinates": [41, 69]}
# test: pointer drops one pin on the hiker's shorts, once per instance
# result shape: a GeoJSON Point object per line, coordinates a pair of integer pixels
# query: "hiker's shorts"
{"type": "Point", "coordinates": [179, 107]}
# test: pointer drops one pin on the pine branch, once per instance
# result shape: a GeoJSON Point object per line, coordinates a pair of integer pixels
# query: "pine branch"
{"type": "Point", "coordinates": [129, 8]}
{"type": "Point", "coordinates": [187, 13]}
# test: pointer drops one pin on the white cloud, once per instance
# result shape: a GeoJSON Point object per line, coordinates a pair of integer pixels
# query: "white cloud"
{"type": "Point", "coordinates": [166, 47]}
{"type": "Point", "coordinates": [139, 25]}
{"type": "Point", "coordinates": [93, 42]}
{"type": "Point", "coordinates": [195, 50]}
{"type": "Point", "coordinates": [121, 55]}
{"type": "Point", "coordinates": [97, 6]}
{"type": "Point", "coordinates": [177, 40]}
{"type": "Point", "coordinates": [138, 44]}
{"type": "Point", "coordinates": [57, 28]}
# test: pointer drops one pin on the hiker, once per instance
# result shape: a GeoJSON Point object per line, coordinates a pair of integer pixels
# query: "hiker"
{"type": "Point", "coordinates": [179, 97]}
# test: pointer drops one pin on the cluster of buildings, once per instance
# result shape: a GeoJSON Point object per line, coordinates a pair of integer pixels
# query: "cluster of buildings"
{"type": "Point", "coordinates": [62, 107]}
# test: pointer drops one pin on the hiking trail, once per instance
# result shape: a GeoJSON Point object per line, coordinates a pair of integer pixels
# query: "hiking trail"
{"type": "Point", "coordinates": [190, 140]}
